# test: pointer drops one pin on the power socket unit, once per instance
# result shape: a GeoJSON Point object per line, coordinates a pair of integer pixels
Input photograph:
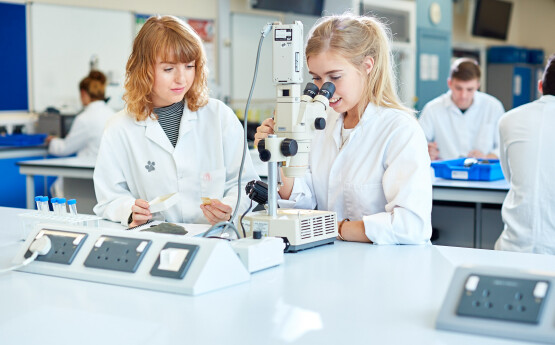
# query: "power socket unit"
{"type": "Point", "coordinates": [65, 246]}
{"type": "Point", "coordinates": [117, 253]}
{"type": "Point", "coordinates": [500, 302]}
{"type": "Point", "coordinates": [161, 262]}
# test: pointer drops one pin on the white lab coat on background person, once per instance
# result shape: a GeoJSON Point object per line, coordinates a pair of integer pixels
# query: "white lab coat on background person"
{"type": "Point", "coordinates": [85, 133]}
{"type": "Point", "coordinates": [381, 175]}
{"type": "Point", "coordinates": [138, 161]}
{"type": "Point", "coordinates": [457, 133]}
{"type": "Point", "coordinates": [527, 147]}
{"type": "Point", "coordinates": [83, 138]}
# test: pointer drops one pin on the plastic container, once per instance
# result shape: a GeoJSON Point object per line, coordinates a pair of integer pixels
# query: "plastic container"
{"type": "Point", "coordinates": [507, 54]}
{"type": "Point", "coordinates": [484, 170]}
{"type": "Point", "coordinates": [22, 139]}
{"type": "Point", "coordinates": [31, 219]}
{"type": "Point", "coordinates": [535, 56]}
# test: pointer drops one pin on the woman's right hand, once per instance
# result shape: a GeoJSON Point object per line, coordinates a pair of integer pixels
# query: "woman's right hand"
{"type": "Point", "coordinates": [140, 213]}
{"type": "Point", "coordinates": [262, 131]}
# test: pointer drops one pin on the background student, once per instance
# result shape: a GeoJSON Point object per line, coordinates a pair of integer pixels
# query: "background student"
{"type": "Point", "coordinates": [463, 121]}
{"type": "Point", "coordinates": [527, 146]}
{"type": "Point", "coordinates": [370, 164]}
{"type": "Point", "coordinates": [86, 131]}
{"type": "Point", "coordinates": [171, 137]}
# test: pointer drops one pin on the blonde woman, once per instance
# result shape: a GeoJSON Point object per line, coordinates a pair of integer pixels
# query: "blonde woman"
{"type": "Point", "coordinates": [371, 163]}
{"type": "Point", "coordinates": [171, 137]}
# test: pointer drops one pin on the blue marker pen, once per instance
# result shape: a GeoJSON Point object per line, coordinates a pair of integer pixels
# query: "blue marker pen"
{"type": "Point", "coordinates": [72, 204]}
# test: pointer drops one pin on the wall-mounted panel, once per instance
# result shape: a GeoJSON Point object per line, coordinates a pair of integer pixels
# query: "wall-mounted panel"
{"type": "Point", "coordinates": [13, 57]}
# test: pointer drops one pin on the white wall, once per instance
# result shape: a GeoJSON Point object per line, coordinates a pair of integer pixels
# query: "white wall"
{"type": "Point", "coordinates": [532, 25]}
{"type": "Point", "coordinates": [204, 9]}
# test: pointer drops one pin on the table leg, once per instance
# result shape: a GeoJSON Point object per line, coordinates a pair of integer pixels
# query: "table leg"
{"type": "Point", "coordinates": [30, 185]}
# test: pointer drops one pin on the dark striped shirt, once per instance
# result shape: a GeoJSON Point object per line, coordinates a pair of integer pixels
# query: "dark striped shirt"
{"type": "Point", "coordinates": [169, 118]}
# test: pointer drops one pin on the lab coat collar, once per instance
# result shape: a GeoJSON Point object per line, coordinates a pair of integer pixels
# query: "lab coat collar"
{"type": "Point", "coordinates": [369, 114]}
{"type": "Point", "coordinates": [547, 98]}
{"type": "Point", "coordinates": [155, 132]}
{"type": "Point", "coordinates": [449, 104]}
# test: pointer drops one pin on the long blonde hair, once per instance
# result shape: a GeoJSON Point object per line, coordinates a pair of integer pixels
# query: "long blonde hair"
{"type": "Point", "coordinates": [355, 38]}
{"type": "Point", "coordinates": [169, 39]}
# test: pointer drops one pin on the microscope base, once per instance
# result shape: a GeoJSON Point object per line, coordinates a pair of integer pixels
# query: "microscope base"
{"type": "Point", "coordinates": [302, 229]}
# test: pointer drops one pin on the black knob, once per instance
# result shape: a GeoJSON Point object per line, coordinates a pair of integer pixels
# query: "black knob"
{"type": "Point", "coordinates": [289, 147]}
{"type": "Point", "coordinates": [264, 155]}
{"type": "Point", "coordinates": [257, 235]}
{"type": "Point", "coordinates": [320, 123]}
{"type": "Point", "coordinates": [311, 90]}
{"type": "Point", "coordinates": [327, 90]}
{"type": "Point", "coordinates": [261, 145]}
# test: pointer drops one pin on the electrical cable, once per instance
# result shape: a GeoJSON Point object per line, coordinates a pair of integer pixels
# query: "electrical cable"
{"type": "Point", "coordinates": [242, 216]}
{"type": "Point", "coordinates": [229, 223]}
{"type": "Point", "coordinates": [40, 246]}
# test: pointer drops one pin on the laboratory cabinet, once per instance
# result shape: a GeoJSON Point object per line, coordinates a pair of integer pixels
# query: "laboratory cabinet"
{"type": "Point", "coordinates": [514, 84]}
{"type": "Point", "coordinates": [470, 225]}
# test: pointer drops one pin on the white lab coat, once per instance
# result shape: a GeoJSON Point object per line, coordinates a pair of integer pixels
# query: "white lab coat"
{"type": "Point", "coordinates": [380, 176]}
{"type": "Point", "coordinates": [85, 133]}
{"type": "Point", "coordinates": [455, 133]}
{"type": "Point", "coordinates": [527, 146]}
{"type": "Point", "coordinates": [137, 161]}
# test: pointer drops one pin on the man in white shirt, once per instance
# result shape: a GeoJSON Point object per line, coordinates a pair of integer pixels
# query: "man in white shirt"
{"type": "Point", "coordinates": [463, 121]}
{"type": "Point", "coordinates": [526, 147]}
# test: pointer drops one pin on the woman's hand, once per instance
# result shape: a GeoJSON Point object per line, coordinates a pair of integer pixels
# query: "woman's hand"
{"type": "Point", "coordinates": [141, 213]}
{"type": "Point", "coordinates": [216, 211]}
{"type": "Point", "coordinates": [262, 131]}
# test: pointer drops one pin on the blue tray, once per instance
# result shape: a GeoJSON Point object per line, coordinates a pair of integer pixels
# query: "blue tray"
{"type": "Point", "coordinates": [484, 170]}
{"type": "Point", "coordinates": [22, 139]}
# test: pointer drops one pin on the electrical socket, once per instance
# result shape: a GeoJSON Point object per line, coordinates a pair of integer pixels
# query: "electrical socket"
{"type": "Point", "coordinates": [503, 298]}
{"type": "Point", "coordinates": [117, 253]}
{"type": "Point", "coordinates": [65, 245]}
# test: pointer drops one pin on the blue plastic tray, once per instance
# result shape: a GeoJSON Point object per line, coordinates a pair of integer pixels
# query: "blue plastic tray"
{"type": "Point", "coordinates": [484, 170]}
{"type": "Point", "coordinates": [22, 139]}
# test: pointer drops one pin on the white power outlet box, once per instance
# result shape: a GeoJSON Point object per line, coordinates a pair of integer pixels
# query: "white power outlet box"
{"type": "Point", "coordinates": [169, 263]}
{"type": "Point", "coordinates": [259, 254]}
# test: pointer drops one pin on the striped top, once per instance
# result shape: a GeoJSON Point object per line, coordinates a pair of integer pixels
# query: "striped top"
{"type": "Point", "coordinates": [169, 118]}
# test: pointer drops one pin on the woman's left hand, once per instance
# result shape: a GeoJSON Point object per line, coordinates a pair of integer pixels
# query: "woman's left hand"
{"type": "Point", "coordinates": [216, 211]}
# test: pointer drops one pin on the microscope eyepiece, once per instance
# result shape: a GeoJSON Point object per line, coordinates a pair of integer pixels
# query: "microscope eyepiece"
{"type": "Point", "coordinates": [311, 90]}
{"type": "Point", "coordinates": [327, 90]}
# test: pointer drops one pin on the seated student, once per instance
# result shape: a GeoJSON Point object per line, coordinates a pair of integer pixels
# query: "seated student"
{"type": "Point", "coordinates": [171, 137]}
{"type": "Point", "coordinates": [463, 121]}
{"type": "Point", "coordinates": [527, 146]}
{"type": "Point", "coordinates": [370, 163]}
{"type": "Point", "coordinates": [85, 133]}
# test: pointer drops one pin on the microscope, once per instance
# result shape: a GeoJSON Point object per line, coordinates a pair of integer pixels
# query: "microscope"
{"type": "Point", "coordinates": [297, 118]}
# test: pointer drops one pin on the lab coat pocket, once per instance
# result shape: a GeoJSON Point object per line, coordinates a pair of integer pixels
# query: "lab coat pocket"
{"type": "Point", "coordinates": [363, 200]}
{"type": "Point", "coordinates": [212, 184]}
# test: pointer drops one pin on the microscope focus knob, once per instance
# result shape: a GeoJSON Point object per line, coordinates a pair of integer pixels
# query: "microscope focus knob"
{"type": "Point", "coordinates": [289, 147]}
{"type": "Point", "coordinates": [320, 123]}
{"type": "Point", "coordinates": [264, 155]}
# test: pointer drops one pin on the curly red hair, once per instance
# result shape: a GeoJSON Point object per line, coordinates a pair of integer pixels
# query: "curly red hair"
{"type": "Point", "coordinates": [164, 38]}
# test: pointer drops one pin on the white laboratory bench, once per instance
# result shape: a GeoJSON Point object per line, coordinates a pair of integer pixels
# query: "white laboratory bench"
{"type": "Point", "coordinates": [77, 174]}
{"type": "Point", "coordinates": [347, 293]}
{"type": "Point", "coordinates": [7, 152]}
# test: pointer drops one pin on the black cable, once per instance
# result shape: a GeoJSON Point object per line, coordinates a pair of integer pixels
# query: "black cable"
{"type": "Point", "coordinates": [229, 223]}
{"type": "Point", "coordinates": [241, 220]}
